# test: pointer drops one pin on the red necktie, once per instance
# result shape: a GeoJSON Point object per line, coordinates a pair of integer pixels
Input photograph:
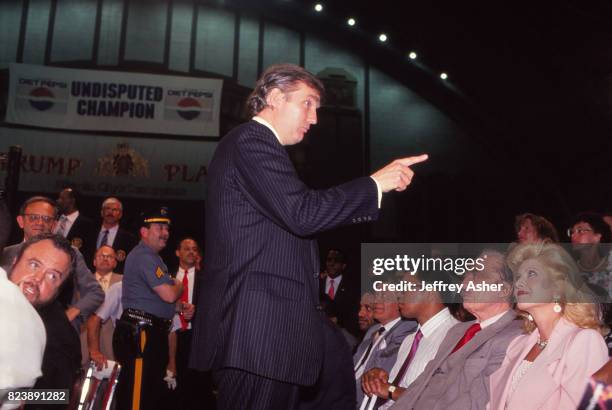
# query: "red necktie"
{"type": "Point", "coordinates": [469, 334]}
{"type": "Point", "coordinates": [413, 350]}
{"type": "Point", "coordinates": [184, 299]}
{"type": "Point", "coordinates": [331, 292]}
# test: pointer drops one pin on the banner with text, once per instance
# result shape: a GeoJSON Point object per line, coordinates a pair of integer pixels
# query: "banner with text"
{"type": "Point", "coordinates": [113, 101]}
{"type": "Point", "coordinates": [104, 166]}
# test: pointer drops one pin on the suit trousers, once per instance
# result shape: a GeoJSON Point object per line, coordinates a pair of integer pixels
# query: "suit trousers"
{"type": "Point", "coordinates": [194, 388]}
{"type": "Point", "coordinates": [334, 389]}
{"type": "Point", "coordinates": [241, 390]}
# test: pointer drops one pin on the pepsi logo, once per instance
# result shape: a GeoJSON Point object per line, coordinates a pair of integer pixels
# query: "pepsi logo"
{"type": "Point", "coordinates": [41, 98]}
{"type": "Point", "coordinates": [188, 108]}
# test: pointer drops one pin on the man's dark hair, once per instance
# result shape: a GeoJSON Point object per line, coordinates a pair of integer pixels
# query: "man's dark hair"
{"type": "Point", "coordinates": [35, 199]}
{"type": "Point", "coordinates": [596, 222]}
{"type": "Point", "coordinates": [285, 77]}
{"type": "Point", "coordinates": [184, 238]}
{"type": "Point", "coordinates": [340, 255]}
{"type": "Point", "coordinates": [74, 195]}
{"type": "Point", "coordinates": [59, 243]}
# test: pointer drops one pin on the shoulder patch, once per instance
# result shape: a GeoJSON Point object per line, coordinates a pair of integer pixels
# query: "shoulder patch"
{"type": "Point", "coordinates": [159, 273]}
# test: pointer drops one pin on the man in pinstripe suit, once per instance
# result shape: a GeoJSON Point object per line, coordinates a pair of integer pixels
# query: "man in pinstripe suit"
{"type": "Point", "coordinates": [260, 328]}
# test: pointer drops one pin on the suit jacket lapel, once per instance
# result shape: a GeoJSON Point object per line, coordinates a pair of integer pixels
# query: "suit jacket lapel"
{"type": "Point", "coordinates": [539, 381]}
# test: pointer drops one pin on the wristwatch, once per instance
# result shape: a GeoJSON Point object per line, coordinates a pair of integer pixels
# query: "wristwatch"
{"type": "Point", "coordinates": [392, 389]}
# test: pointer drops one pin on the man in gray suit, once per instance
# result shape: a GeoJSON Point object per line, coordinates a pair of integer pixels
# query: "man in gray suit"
{"type": "Point", "coordinates": [38, 215]}
{"type": "Point", "coordinates": [458, 376]}
{"type": "Point", "coordinates": [381, 343]}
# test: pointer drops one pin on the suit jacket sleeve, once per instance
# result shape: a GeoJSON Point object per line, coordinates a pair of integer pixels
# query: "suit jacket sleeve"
{"type": "Point", "coordinates": [91, 294]}
{"type": "Point", "coordinates": [586, 354]}
{"type": "Point", "coordinates": [479, 390]}
{"type": "Point", "coordinates": [271, 185]}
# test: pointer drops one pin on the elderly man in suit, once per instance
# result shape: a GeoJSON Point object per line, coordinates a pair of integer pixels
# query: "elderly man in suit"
{"type": "Point", "coordinates": [458, 376]}
{"type": "Point", "coordinates": [112, 234]}
{"type": "Point", "coordinates": [380, 345]}
{"type": "Point", "coordinates": [262, 333]}
{"type": "Point", "coordinates": [81, 294]}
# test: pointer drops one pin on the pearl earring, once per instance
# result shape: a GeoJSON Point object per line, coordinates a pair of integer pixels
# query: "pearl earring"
{"type": "Point", "coordinates": [556, 306]}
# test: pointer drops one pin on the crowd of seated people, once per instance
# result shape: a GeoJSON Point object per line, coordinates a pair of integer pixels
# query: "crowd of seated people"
{"type": "Point", "coordinates": [541, 341]}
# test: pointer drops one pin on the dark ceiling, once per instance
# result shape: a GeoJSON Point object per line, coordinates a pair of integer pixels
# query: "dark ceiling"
{"type": "Point", "coordinates": [537, 74]}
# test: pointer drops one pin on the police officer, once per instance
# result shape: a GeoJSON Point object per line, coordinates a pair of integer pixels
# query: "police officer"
{"type": "Point", "coordinates": [140, 341]}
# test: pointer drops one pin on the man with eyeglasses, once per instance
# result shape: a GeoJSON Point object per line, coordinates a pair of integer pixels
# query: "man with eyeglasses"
{"type": "Point", "coordinates": [105, 262]}
{"type": "Point", "coordinates": [38, 215]}
{"type": "Point", "coordinates": [590, 239]}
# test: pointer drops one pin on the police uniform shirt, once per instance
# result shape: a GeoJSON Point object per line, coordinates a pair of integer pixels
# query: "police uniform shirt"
{"type": "Point", "coordinates": [145, 270]}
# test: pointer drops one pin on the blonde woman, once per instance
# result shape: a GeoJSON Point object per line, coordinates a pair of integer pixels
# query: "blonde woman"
{"type": "Point", "coordinates": [549, 365]}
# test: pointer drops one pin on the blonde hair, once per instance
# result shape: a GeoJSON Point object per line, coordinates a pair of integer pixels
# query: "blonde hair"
{"type": "Point", "coordinates": [576, 300]}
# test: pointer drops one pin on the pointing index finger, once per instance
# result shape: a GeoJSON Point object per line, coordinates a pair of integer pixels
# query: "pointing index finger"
{"type": "Point", "coordinates": [408, 161]}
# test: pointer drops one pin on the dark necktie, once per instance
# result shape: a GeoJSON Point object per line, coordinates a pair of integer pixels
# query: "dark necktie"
{"type": "Point", "coordinates": [104, 239]}
{"type": "Point", "coordinates": [375, 337]}
{"type": "Point", "coordinates": [469, 334]}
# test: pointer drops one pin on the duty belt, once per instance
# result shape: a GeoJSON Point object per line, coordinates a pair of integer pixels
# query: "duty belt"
{"type": "Point", "coordinates": [146, 319]}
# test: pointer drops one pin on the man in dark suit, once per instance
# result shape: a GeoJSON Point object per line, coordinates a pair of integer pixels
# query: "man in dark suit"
{"type": "Point", "coordinates": [341, 291]}
{"type": "Point", "coordinates": [74, 226]}
{"type": "Point", "coordinates": [43, 264]}
{"type": "Point", "coordinates": [194, 388]}
{"type": "Point", "coordinates": [261, 329]}
{"type": "Point", "coordinates": [112, 234]}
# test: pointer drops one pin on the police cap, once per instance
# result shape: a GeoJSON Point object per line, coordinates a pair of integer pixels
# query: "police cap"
{"type": "Point", "coordinates": [157, 215]}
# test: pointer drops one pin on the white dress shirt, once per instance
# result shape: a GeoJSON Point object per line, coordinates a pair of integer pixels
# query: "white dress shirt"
{"type": "Point", "coordinates": [336, 281]}
{"type": "Point", "coordinates": [68, 224]}
{"type": "Point", "coordinates": [380, 344]}
{"type": "Point", "coordinates": [492, 320]}
{"type": "Point", "coordinates": [112, 234]}
{"type": "Point", "coordinates": [190, 278]}
{"type": "Point", "coordinates": [434, 331]}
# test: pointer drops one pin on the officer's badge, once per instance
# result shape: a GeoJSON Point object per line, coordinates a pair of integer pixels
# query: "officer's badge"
{"type": "Point", "coordinates": [120, 255]}
{"type": "Point", "coordinates": [159, 273]}
{"type": "Point", "coordinates": [77, 242]}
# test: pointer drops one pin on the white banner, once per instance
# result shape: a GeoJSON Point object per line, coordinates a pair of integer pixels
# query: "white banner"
{"type": "Point", "coordinates": [105, 166]}
{"type": "Point", "coordinates": [113, 101]}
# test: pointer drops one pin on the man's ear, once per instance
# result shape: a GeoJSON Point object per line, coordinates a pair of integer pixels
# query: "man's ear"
{"type": "Point", "coordinates": [274, 98]}
{"type": "Point", "coordinates": [20, 221]}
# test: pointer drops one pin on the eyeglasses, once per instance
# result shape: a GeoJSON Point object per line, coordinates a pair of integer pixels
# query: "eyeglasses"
{"type": "Point", "coordinates": [571, 231]}
{"type": "Point", "coordinates": [33, 218]}
{"type": "Point", "coordinates": [109, 257]}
